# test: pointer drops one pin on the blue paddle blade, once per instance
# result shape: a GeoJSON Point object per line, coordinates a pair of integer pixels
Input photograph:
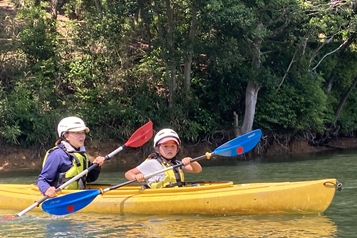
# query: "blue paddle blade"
{"type": "Point", "coordinates": [69, 203]}
{"type": "Point", "coordinates": [239, 145]}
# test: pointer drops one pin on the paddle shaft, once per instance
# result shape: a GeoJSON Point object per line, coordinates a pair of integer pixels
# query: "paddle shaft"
{"type": "Point", "coordinates": [207, 155]}
{"type": "Point", "coordinates": [32, 206]}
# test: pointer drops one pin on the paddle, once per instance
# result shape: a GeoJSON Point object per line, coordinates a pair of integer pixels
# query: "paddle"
{"type": "Point", "coordinates": [138, 138]}
{"type": "Point", "coordinates": [73, 202]}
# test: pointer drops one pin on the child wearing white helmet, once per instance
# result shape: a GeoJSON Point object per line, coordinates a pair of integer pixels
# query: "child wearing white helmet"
{"type": "Point", "coordinates": [166, 145]}
{"type": "Point", "coordinates": [67, 159]}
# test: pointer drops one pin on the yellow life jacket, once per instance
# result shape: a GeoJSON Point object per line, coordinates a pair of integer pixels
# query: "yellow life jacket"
{"type": "Point", "coordinates": [80, 163]}
{"type": "Point", "coordinates": [173, 177]}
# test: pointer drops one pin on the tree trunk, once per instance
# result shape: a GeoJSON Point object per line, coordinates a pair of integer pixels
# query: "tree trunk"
{"type": "Point", "coordinates": [251, 93]}
{"type": "Point", "coordinates": [98, 5]}
{"type": "Point", "coordinates": [329, 82]}
{"type": "Point", "coordinates": [170, 46]}
{"type": "Point", "coordinates": [343, 100]}
{"type": "Point", "coordinates": [54, 4]}
{"type": "Point", "coordinates": [331, 78]}
{"type": "Point", "coordinates": [251, 96]}
{"type": "Point", "coordinates": [159, 28]}
{"type": "Point", "coordinates": [145, 18]}
{"type": "Point", "coordinates": [236, 124]}
{"type": "Point", "coordinates": [191, 36]}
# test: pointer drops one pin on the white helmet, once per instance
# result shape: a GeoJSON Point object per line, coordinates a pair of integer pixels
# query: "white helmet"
{"type": "Point", "coordinates": [71, 124]}
{"type": "Point", "coordinates": [166, 135]}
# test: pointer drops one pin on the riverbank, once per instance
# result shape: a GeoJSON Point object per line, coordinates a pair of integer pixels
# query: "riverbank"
{"type": "Point", "coordinates": [12, 157]}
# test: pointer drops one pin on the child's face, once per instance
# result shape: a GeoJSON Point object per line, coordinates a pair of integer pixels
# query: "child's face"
{"type": "Point", "coordinates": [76, 139]}
{"type": "Point", "coordinates": [168, 149]}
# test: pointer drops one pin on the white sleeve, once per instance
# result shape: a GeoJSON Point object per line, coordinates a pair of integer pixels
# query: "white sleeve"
{"type": "Point", "coordinates": [149, 166]}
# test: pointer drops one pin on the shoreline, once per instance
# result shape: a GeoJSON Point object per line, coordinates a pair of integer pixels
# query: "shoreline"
{"type": "Point", "coordinates": [15, 158]}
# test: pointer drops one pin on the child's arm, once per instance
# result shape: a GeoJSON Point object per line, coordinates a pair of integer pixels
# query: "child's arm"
{"type": "Point", "coordinates": [134, 174]}
{"type": "Point", "coordinates": [193, 167]}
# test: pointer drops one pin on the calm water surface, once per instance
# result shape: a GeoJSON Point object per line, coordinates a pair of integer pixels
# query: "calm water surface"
{"type": "Point", "coordinates": [338, 221]}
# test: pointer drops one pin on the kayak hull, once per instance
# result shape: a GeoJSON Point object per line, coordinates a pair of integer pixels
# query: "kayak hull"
{"type": "Point", "coordinates": [303, 197]}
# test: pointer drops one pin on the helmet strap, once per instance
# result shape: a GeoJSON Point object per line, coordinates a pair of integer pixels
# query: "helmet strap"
{"type": "Point", "coordinates": [63, 137]}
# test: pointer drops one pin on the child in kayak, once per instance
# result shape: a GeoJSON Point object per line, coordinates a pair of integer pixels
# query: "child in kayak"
{"type": "Point", "coordinates": [67, 159]}
{"type": "Point", "coordinates": [166, 145]}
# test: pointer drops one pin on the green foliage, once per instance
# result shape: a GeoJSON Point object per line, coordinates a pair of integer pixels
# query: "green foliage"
{"type": "Point", "coordinates": [111, 68]}
{"type": "Point", "coordinates": [11, 133]}
{"type": "Point", "coordinates": [191, 119]}
{"type": "Point", "coordinates": [299, 105]}
{"type": "Point", "coordinates": [348, 117]}
{"type": "Point", "coordinates": [26, 119]}
{"type": "Point", "coordinates": [38, 33]}
{"type": "Point", "coordinates": [28, 104]}
{"type": "Point", "coordinates": [344, 75]}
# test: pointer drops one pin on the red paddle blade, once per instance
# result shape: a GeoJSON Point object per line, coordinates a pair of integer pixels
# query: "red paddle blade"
{"type": "Point", "coordinates": [7, 218]}
{"type": "Point", "coordinates": [141, 135]}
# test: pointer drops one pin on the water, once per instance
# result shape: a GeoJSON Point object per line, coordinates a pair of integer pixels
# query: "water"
{"type": "Point", "coordinates": [338, 220]}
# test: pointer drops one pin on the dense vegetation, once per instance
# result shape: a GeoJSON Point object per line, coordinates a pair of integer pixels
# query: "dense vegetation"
{"type": "Point", "coordinates": [285, 66]}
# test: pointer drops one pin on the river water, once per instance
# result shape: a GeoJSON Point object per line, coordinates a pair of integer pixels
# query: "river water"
{"type": "Point", "coordinates": [339, 220]}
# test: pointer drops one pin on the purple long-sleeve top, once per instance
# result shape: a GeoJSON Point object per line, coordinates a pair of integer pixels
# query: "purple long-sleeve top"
{"type": "Point", "coordinates": [59, 162]}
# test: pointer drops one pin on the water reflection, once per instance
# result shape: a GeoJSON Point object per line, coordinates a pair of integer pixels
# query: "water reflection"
{"type": "Point", "coordinates": [242, 226]}
{"type": "Point", "coordinates": [102, 225]}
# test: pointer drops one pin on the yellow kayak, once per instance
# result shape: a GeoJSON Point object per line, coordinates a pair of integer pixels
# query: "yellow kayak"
{"type": "Point", "coordinates": [303, 197]}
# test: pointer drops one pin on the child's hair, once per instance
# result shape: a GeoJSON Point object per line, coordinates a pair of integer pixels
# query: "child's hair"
{"type": "Point", "coordinates": [152, 155]}
{"type": "Point", "coordinates": [58, 142]}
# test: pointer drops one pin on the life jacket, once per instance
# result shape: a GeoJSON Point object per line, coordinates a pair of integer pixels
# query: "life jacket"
{"type": "Point", "coordinates": [173, 177]}
{"type": "Point", "coordinates": [80, 163]}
